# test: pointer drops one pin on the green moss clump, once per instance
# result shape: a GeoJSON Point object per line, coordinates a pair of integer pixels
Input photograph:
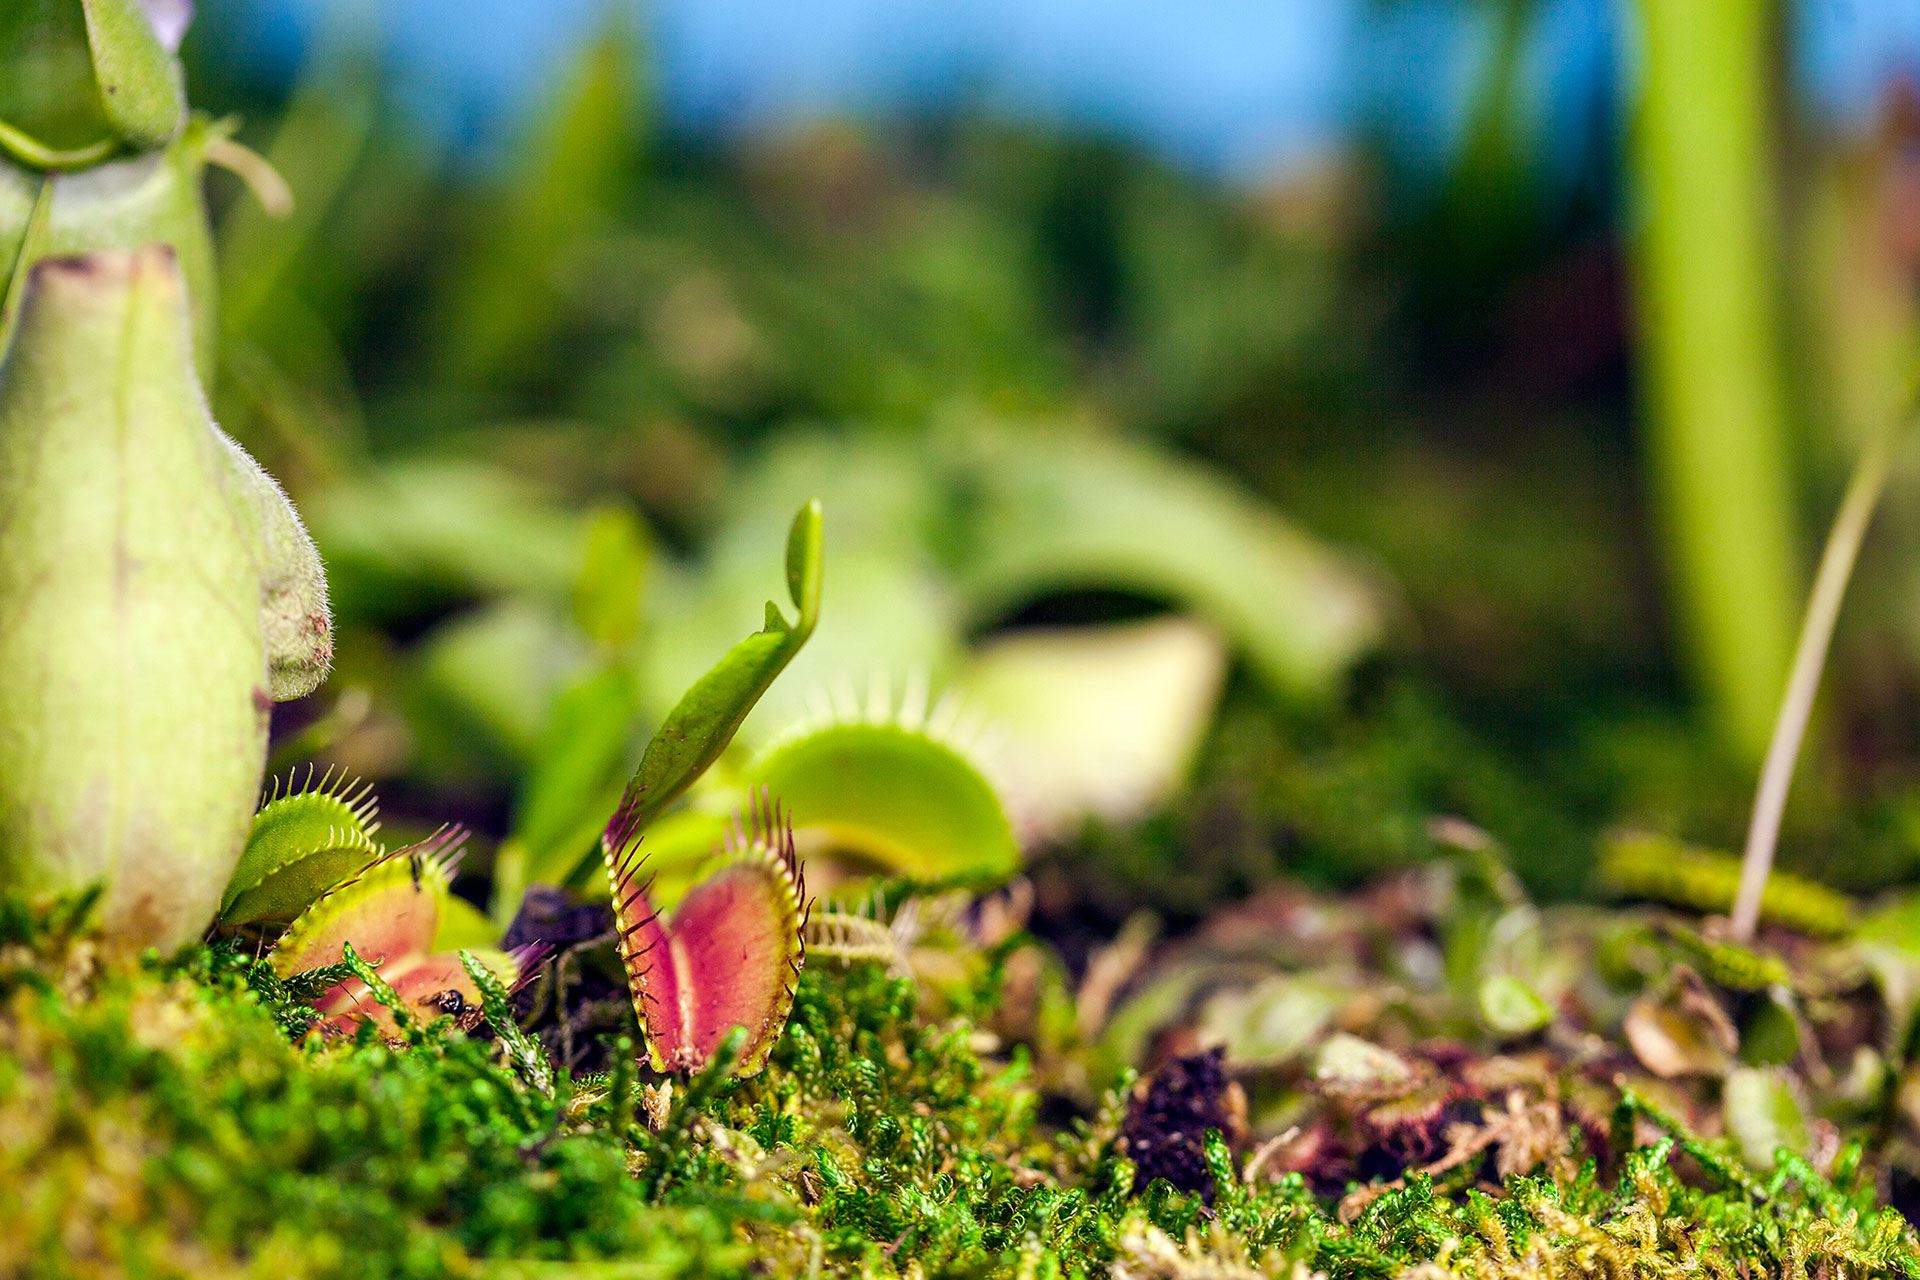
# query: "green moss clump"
{"type": "Point", "coordinates": [161, 1123]}
{"type": "Point", "coordinates": [174, 1120]}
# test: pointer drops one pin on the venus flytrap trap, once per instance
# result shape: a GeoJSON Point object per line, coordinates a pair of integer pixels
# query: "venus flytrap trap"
{"type": "Point", "coordinates": [390, 914]}
{"type": "Point", "coordinates": [896, 789]}
{"type": "Point", "coordinates": [729, 953]}
{"type": "Point", "coordinates": [303, 843]}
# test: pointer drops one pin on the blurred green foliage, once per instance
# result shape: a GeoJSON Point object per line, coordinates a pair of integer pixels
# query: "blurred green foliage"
{"type": "Point", "coordinates": [546, 414]}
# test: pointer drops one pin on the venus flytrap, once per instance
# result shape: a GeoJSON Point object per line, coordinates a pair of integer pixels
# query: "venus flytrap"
{"type": "Point", "coordinates": [390, 914]}
{"type": "Point", "coordinates": [729, 954]}
{"type": "Point", "coordinates": [302, 844]}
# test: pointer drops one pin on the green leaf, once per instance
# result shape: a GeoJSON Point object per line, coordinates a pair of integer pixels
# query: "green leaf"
{"type": "Point", "coordinates": [1657, 866]}
{"type": "Point", "coordinates": [699, 728]}
{"type": "Point", "coordinates": [495, 314]}
{"type": "Point", "coordinates": [578, 769]}
{"type": "Point", "coordinates": [613, 574]}
{"type": "Point", "coordinates": [576, 778]}
{"type": "Point", "coordinates": [1347, 1061]}
{"type": "Point", "coordinates": [1888, 943]}
{"type": "Point", "coordinates": [1100, 720]}
{"type": "Point", "coordinates": [893, 611]}
{"type": "Point", "coordinates": [1511, 1008]}
{"type": "Point", "coordinates": [1764, 1115]}
{"type": "Point", "coordinates": [1060, 512]}
{"type": "Point", "coordinates": [421, 530]}
{"type": "Point", "coordinates": [141, 88]}
{"type": "Point", "coordinates": [464, 927]}
{"type": "Point", "coordinates": [1273, 1022]}
{"type": "Point", "coordinates": [50, 104]}
{"type": "Point", "coordinates": [484, 685]}
{"type": "Point", "coordinates": [891, 795]}
{"type": "Point", "coordinates": [303, 843]}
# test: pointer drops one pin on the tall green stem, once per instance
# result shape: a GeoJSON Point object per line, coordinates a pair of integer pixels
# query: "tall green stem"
{"type": "Point", "coordinates": [1707, 298]}
{"type": "Point", "coordinates": [1809, 660]}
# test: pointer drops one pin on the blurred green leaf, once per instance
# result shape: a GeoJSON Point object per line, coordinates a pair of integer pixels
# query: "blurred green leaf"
{"type": "Point", "coordinates": [484, 685]}
{"type": "Point", "coordinates": [607, 594]}
{"type": "Point", "coordinates": [496, 309]}
{"type": "Point", "coordinates": [1272, 1022]}
{"type": "Point", "coordinates": [48, 89]}
{"type": "Point", "coordinates": [893, 613]}
{"type": "Point", "coordinates": [464, 927]}
{"type": "Point", "coordinates": [1764, 1116]}
{"type": "Point", "coordinates": [319, 141]}
{"type": "Point", "coordinates": [1509, 1007]}
{"type": "Point", "coordinates": [421, 531]}
{"type": "Point", "coordinates": [1098, 720]}
{"type": "Point", "coordinates": [576, 778]}
{"type": "Point", "coordinates": [140, 84]}
{"type": "Point", "coordinates": [1061, 512]}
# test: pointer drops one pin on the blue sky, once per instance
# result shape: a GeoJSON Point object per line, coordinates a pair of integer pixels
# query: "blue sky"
{"type": "Point", "coordinates": [1240, 87]}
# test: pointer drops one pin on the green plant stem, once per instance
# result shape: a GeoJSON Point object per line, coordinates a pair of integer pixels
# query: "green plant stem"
{"type": "Point", "coordinates": [1708, 304]}
{"type": "Point", "coordinates": [1809, 659]}
{"type": "Point", "coordinates": [30, 249]}
{"type": "Point", "coordinates": [35, 154]}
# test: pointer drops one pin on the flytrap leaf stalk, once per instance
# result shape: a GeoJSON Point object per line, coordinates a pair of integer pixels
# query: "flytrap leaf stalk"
{"type": "Point", "coordinates": [703, 722]}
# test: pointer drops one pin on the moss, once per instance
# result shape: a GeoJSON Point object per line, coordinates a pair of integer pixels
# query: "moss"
{"type": "Point", "coordinates": [160, 1122]}
{"type": "Point", "coordinates": [170, 1119]}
